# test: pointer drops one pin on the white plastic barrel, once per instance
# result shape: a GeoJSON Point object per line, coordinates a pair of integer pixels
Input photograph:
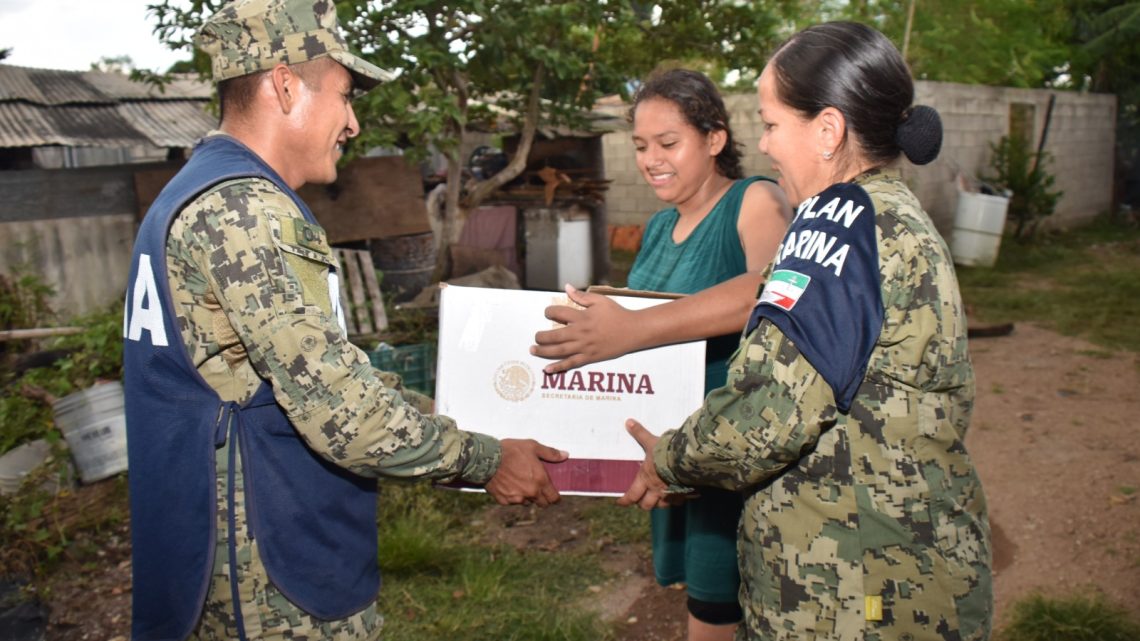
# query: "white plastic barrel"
{"type": "Point", "coordinates": [978, 226]}
{"type": "Point", "coordinates": [95, 428]}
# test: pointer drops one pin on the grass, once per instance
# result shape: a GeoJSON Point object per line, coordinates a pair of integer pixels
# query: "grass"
{"type": "Point", "coordinates": [614, 524]}
{"type": "Point", "coordinates": [1076, 618]}
{"type": "Point", "coordinates": [441, 582]}
{"type": "Point", "coordinates": [1083, 283]}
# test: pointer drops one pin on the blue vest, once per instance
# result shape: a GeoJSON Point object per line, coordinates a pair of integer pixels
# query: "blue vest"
{"type": "Point", "coordinates": [315, 523]}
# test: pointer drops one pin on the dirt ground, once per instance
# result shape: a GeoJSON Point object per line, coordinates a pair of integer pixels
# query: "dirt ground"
{"type": "Point", "coordinates": [1054, 439]}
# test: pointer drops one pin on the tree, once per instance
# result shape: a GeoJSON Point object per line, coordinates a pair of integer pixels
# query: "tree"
{"type": "Point", "coordinates": [1001, 42]}
{"type": "Point", "coordinates": [1106, 38]}
{"type": "Point", "coordinates": [5, 52]}
{"type": "Point", "coordinates": [514, 64]}
{"type": "Point", "coordinates": [477, 63]}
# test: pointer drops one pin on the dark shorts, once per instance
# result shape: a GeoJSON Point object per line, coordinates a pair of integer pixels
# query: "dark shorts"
{"type": "Point", "coordinates": [695, 544]}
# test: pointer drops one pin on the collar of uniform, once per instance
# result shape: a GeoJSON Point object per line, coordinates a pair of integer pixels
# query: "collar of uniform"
{"type": "Point", "coordinates": [875, 174]}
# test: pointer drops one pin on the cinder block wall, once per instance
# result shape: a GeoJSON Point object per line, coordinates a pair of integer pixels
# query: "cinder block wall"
{"type": "Point", "coordinates": [1080, 138]}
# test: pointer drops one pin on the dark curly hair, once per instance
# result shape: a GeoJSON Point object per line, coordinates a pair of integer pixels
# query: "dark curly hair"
{"type": "Point", "coordinates": [702, 107]}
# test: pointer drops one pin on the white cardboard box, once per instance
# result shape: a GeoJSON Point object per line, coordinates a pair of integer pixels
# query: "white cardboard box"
{"type": "Point", "coordinates": [488, 382]}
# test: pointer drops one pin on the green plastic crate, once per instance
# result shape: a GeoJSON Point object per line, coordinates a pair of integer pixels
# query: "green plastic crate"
{"type": "Point", "coordinates": [414, 363]}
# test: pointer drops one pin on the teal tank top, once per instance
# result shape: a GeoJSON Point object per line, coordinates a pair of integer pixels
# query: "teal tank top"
{"type": "Point", "coordinates": [711, 254]}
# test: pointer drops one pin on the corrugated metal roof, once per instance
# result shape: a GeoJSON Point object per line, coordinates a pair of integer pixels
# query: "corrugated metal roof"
{"type": "Point", "coordinates": [97, 109]}
{"type": "Point", "coordinates": [121, 87]}
{"type": "Point", "coordinates": [163, 124]}
{"type": "Point", "coordinates": [55, 87]}
{"type": "Point", "coordinates": [48, 87]}
{"type": "Point", "coordinates": [24, 125]}
{"type": "Point", "coordinates": [169, 123]}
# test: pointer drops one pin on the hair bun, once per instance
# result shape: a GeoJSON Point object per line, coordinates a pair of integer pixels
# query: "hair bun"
{"type": "Point", "coordinates": [919, 135]}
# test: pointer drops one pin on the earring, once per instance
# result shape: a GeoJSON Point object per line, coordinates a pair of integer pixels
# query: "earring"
{"type": "Point", "coordinates": [827, 155]}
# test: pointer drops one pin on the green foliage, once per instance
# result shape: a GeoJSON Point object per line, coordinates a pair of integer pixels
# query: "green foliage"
{"type": "Point", "coordinates": [45, 521]}
{"type": "Point", "coordinates": [1076, 618]}
{"type": "Point", "coordinates": [441, 582]}
{"type": "Point", "coordinates": [1001, 42]}
{"type": "Point", "coordinates": [23, 305]}
{"type": "Point", "coordinates": [1084, 282]}
{"type": "Point", "coordinates": [24, 301]}
{"type": "Point", "coordinates": [28, 537]}
{"type": "Point", "coordinates": [22, 420]}
{"type": "Point", "coordinates": [466, 64]}
{"type": "Point", "coordinates": [40, 522]}
{"type": "Point", "coordinates": [93, 355]}
{"type": "Point", "coordinates": [1023, 172]}
{"type": "Point", "coordinates": [96, 353]}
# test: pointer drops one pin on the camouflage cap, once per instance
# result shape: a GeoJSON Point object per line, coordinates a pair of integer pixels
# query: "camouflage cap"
{"type": "Point", "coordinates": [248, 36]}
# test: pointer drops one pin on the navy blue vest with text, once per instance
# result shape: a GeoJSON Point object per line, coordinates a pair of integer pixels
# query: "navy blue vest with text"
{"type": "Point", "coordinates": [315, 523]}
{"type": "Point", "coordinates": [824, 291]}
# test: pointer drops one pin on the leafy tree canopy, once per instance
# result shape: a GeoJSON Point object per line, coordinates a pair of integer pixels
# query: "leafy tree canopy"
{"type": "Point", "coordinates": [465, 64]}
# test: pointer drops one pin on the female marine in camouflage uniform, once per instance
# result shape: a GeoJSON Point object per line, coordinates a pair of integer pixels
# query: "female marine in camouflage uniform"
{"type": "Point", "coordinates": [847, 403]}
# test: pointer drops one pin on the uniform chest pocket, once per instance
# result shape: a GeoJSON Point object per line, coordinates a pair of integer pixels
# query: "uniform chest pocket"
{"type": "Point", "coordinates": [307, 260]}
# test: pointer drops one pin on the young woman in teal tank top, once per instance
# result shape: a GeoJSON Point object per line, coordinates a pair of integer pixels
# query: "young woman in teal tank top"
{"type": "Point", "coordinates": [721, 228]}
{"type": "Point", "coordinates": [710, 255]}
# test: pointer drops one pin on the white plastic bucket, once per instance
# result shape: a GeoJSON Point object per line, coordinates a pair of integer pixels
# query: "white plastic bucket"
{"type": "Point", "coordinates": [978, 226]}
{"type": "Point", "coordinates": [95, 428]}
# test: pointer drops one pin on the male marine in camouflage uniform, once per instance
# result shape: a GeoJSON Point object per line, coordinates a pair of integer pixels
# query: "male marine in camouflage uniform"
{"type": "Point", "coordinates": [248, 284]}
{"type": "Point", "coordinates": [865, 524]}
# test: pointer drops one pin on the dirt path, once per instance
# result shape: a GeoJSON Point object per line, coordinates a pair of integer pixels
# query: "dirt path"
{"type": "Point", "coordinates": [1054, 439]}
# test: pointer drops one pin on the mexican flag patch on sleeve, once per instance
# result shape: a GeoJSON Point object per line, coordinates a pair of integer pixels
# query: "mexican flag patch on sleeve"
{"type": "Point", "coordinates": [784, 288]}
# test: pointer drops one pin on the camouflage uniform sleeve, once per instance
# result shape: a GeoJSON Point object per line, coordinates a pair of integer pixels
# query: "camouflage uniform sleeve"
{"type": "Point", "coordinates": [273, 287]}
{"type": "Point", "coordinates": [768, 415]}
{"type": "Point", "coordinates": [423, 403]}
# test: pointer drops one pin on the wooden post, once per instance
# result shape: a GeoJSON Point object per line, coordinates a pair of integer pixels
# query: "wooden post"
{"type": "Point", "coordinates": [41, 332]}
{"type": "Point", "coordinates": [906, 34]}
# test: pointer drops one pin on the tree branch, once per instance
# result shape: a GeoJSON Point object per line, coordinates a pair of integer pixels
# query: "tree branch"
{"type": "Point", "coordinates": [479, 191]}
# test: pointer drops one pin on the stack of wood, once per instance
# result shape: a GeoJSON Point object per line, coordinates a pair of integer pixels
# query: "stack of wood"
{"type": "Point", "coordinates": [568, 185]}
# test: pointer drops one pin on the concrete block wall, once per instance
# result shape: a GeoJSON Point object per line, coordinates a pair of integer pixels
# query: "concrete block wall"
{"type": "Point", "coordinates": [1080, 139]}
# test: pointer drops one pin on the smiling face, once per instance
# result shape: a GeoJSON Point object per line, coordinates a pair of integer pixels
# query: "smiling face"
{"type": "Point", "coordinates": [791, 141]}
{"type": "Point", "coordinates": [676, 159]}
{"type": "Point", "coordinates": [322, 123]}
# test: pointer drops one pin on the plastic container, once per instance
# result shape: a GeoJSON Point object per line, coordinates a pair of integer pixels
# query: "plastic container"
{"type": "Point", "coordinates": [978, 226]}
{"type": "Point", "coordinates": [414, 363]}
{"type": "Point", "coordinates": [95, 428]}
{"type": "Point", "coordinates": [18, 462]}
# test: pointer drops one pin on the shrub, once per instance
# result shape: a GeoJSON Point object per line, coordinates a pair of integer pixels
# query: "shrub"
{"type": "Point", "coordinates": [24, 304]}
{"type": "Point", "coordinates": [1076, 618]}
{"type": "Point", "coordinates": [1023, 173]}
